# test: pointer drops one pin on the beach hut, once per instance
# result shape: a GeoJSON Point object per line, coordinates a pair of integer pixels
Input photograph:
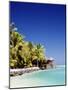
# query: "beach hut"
{"type": "Point", "coordinates": [50, 63]}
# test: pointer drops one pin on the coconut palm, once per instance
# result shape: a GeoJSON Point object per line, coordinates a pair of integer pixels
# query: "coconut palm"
{"type": "Point", "coordinates": [15, 37]}
{"type": "Point", "coordinates": [23, 53]}
{"type": "Point", "coordinates": [39, 51]}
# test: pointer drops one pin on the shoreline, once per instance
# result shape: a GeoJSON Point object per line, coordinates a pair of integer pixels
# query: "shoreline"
{"type": "Point", "coordinates": [15, 72]}
{"type": "Point", "coordinates": [40, 78]}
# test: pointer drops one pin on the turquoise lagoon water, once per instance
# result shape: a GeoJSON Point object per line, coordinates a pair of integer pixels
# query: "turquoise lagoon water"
{"type": "Point", "coordinates": [40, 78]}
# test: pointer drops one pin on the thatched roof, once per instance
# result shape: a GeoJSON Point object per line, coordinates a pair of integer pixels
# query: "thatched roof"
{"type": "Point", "coordinates": [49, 61]}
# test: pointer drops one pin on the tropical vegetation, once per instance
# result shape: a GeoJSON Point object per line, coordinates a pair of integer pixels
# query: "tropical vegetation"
{"type": "Point", "coordinates": [24, 54]}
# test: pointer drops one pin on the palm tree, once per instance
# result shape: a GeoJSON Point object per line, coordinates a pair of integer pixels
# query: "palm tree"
{"type": "Point", "coordinates": [39, 53]}
{"type": "Point", "coordinates": [30, 46]}
{"type": "Point", "coordinates": [23, 53]}
{"type": "Point", "coordinates": [15, 37]}
{"type": "Point", "coordinates": [15, 40]}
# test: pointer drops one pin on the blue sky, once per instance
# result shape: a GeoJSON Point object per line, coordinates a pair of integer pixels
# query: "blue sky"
{"type": "Point", "coordinates": [42, 23]}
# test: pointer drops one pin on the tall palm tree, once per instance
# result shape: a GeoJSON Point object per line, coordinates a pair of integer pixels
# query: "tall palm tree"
{"type": "Point", "coordinates": [30, 46]}
{"type": "Point", "coordinates": [23, 53]}
{"type": "Point", "coordinates": [15, 40]}
{"type": "Point", "coordinates": [39, 53]}
{"type": "Point", "coordinates": [15, 37]}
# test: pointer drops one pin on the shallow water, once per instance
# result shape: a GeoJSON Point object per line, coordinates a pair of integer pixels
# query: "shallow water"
{"type": "Point", "coordinates": [40, 78]}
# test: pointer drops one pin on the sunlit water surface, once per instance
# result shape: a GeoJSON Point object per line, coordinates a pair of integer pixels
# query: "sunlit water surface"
{"type": "Point", "coordinates": [40, 78]}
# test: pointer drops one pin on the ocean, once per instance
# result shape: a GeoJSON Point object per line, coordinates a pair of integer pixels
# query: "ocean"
{"type": "Point", "coordinates": [49, 77]}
